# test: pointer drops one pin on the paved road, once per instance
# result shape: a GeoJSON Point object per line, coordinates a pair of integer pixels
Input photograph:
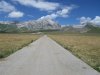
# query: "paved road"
{"type": "Point", "coordinates": [44, 57]}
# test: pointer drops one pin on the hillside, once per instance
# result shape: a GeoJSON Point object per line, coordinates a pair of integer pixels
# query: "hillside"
{"type": "Point", "coordinates": [41, 24]}
{"type": "Point", "coordinates": [8, 28]}
{"type": "Point", "coordinates": [87, 28]}
{"type": "Point", "coordinates": [46, 25]}
{"type": "Point", "coordinates": [29, 26]}
{"type": "Point", "coordinates": [92, 28]}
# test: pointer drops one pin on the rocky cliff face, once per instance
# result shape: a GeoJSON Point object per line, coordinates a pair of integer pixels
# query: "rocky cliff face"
{"type": "Point", "coordinates": [41, 24]}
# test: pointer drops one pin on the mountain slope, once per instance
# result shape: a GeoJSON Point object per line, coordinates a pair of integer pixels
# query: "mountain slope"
{"type": "Point", "coordinates": [86, 28]}
{"type": "Point", "coordinates": [41, 24]}
{"type": "Point", "coordinates": [92, 28]}
{"type": "Point", "coordinates": [74, 30]}
{"type": "Point", "coordinates": [8, 28]}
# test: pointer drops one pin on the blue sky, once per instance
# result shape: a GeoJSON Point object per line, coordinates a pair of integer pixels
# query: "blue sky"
{"type": "Point", "coordinates": [63, 11]}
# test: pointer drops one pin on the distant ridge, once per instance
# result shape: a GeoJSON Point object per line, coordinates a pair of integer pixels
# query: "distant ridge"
{"type": "Point", "coordinates": [86, 28]}
{"type": "Point", "coordinates": [46, 24]}
{"type": "Point", "coordinates": [41, 24]}
{"type": "Point", "coordinates": [29, 26]}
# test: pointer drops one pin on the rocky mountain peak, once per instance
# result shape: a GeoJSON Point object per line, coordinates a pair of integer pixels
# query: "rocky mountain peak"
{"type": "Point", "coordinates": [40, 24]}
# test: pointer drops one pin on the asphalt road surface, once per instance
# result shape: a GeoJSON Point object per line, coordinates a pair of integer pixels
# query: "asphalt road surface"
{"type": "Point", "coordinates": [44, 57]}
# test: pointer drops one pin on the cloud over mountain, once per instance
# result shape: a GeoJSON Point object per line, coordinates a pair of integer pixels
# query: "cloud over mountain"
{"type": "Point", "coordinates": [64, 12]}
{"type": "Point", "coordinates": [15, 14]}
{"type": "Point", "coordinates": [6, 7]}
{"type": "Point", "coordinates": [57, 9]}
{"type": "Point", "coordinates": [95, 21]}
{"type": "Point", "coordinates": [10, 9]}
{"type": "Point", "coordinates": [40, 4]}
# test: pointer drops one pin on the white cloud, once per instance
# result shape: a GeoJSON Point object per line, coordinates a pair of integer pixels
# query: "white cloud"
{"type": "Point", "coordinates": [10, 9]}
{"type": "Point", "coordinates": [41, 4]}
{"type": "Point", "coordinates": [6, 7]}
{"type": "Point", "coordinates": [64, 12]}
{"type": "Point", "coordinates": [51, 16]}
{"type": "Point", "coordinates": [95, 21]}
{"type": "Point", "coordinates": [85, 20]}
{"type": "Point", "coordinates": [16, 14]}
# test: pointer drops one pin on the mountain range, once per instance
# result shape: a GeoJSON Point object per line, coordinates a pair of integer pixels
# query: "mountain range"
{"type": "Point", "coordinates": [29, 26]}
{"type": "Point", "coordinates": [84, 28]}
{"type": "Point", "coordinates": [41, 24]}
{"type": "Point", "coordinates": [46, 24]}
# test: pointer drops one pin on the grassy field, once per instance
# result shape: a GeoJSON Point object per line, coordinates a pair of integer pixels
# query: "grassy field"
{"type": "Point", "coordinates": [86, 47]}
{"type": "Point", "coordinates": [10, 43]}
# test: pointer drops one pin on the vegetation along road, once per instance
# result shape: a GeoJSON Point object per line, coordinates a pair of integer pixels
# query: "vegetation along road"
{"type": "Point", "coordinates": [44, 57]}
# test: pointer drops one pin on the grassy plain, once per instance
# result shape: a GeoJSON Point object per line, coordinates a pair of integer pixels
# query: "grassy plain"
{"type": "Point", "coordinates": [9, 43]}
{"type": "Point", "coordinates": [86, 47]}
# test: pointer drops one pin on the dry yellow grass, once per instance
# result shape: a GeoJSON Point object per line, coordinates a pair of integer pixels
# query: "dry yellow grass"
{"type": "Point", "coordinates": [86, 48]}
{"type": "Point", "coordinates": [10, 43]}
